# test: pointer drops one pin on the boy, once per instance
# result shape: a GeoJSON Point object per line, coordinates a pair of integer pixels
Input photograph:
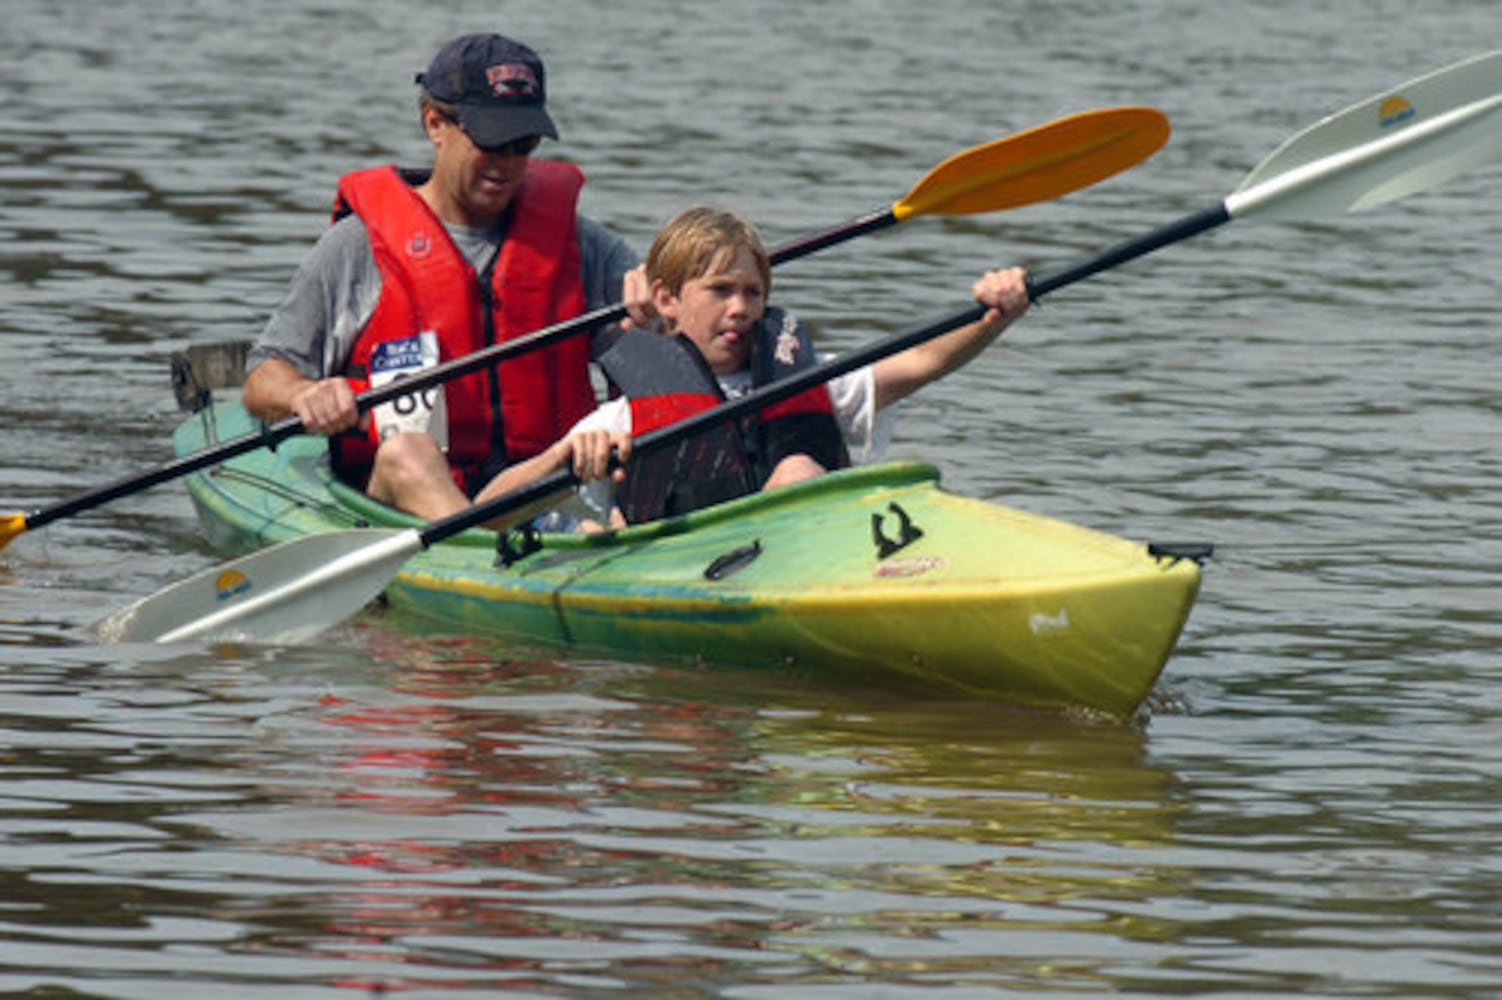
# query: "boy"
{"type": "Point", "coordinates": [710, 275]}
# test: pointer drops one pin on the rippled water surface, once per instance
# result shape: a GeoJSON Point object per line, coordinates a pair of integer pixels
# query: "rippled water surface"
{"type": "Point", "coordinates": [1310, 804]}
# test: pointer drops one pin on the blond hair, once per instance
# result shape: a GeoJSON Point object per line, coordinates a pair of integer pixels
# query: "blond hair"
{"type": "Point", "coordinates": [699, 241]}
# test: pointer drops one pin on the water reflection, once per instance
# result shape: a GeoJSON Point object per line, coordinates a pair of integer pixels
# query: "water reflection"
{"type": "Point", "coordinates": [399, 807]}
{"type": "Point", "coordinates": [505, 816]}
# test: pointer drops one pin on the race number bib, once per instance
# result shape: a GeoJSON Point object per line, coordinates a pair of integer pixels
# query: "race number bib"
{"type": "Point", "coordinates": [421, 411]}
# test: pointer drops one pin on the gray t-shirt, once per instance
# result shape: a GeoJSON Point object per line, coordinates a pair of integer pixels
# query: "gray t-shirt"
{"type": "Point", "coordinates": [336, 288]}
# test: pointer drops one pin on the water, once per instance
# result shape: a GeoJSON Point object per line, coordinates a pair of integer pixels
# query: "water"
{"type": "Point", "coordinates": [1308, 806]}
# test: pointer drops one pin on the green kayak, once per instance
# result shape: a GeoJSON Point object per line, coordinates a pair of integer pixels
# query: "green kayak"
{"type": "Point", "coordinates": [874, 574]}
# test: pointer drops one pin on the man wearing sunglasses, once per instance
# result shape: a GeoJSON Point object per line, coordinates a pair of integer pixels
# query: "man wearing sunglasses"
{"type": "Point", "coordinates": [426, 266]}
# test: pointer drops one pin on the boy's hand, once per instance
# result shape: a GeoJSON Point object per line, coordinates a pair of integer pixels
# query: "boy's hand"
{"type": "Point", "coordinates": [1003, 293]}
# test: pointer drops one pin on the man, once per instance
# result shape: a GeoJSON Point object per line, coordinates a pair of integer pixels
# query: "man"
{"type": "Point", "coordinates": [424, 267]}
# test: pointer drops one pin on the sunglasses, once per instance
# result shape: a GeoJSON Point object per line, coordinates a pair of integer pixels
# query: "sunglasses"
{"type": "Point", "coordinates": [516, 147]}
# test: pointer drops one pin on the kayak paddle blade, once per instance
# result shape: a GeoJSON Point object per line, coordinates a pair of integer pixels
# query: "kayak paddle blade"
{"type": "Point", "coordinates": [280, 595]}
{"type": "Point", "coordinates": [1040, 164]}
{"type": "Point", "coordinates": [1394, 144]}
{"type": "Point", "coordinates": [11, 525]}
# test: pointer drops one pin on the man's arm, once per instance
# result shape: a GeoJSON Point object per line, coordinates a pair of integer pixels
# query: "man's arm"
{"type": "Point", "coordinates": [274, 389]}
{"type": "Point", "coordinates": [328, 301]}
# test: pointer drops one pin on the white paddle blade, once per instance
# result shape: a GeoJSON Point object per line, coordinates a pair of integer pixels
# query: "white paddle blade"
{"type": "Point", "coordinates": [280, 595]}
{"type": "Point", "coordinates": [1414, 138]}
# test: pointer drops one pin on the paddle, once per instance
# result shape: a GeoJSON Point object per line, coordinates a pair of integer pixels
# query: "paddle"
{"type": "Point", "coordinates": [1412, 138]}
{"type": "Point", "coordinates": [1424, 133]}
{"type": "Point", "coordinates": [1040, 164]}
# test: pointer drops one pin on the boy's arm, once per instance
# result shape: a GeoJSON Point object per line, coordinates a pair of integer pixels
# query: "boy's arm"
{"type": "Point", "coordinates": [587, 452]}
{"type": "Point", "coordinates": [1004, 293]}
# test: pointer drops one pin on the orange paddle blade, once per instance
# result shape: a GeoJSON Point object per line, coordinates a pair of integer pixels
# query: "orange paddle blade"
{"type": "Point", "coordinates": [1043, 163]}
{"type": "Point", "coordinates": [11, 525]}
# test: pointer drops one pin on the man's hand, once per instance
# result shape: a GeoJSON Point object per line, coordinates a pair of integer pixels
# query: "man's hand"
{"type": "Point", "coordinates": [326, 406]}
{"type": "Point", "coordinates": [636, 295]}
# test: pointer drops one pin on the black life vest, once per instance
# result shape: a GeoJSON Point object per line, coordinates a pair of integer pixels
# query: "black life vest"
{"type": "Point", "coordinates": [666, 379]}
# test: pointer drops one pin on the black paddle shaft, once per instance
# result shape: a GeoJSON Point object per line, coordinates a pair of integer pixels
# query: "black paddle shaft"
{"type": "Point", "coordinates": [1190, 225]}
{"type": "Point", "coordinates": [758, 399]}
{"type": "Point", "coordinates": [753, 401]}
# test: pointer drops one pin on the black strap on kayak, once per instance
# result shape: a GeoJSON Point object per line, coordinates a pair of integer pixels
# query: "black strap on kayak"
{"type": "Point", "coordinates": [513, 546]}
{"type": "Point", "coordinates": [907, 532]}
{"type": "Point", "coordinates": [1175, 552]}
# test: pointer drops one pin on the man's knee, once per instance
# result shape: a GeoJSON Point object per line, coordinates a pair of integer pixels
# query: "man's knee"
{"type": "Point", "coordinates": [408, 466]}
{"type": "Point", "coordinates": [401, 453]}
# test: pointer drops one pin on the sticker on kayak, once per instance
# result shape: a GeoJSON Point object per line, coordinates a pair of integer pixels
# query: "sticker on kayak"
{"type": "Point", "coordinates": [230, 584]}
{"type": "Point", "coordinates": [1041, 624]}
{"type": "Point", "coordinates": [909, 566]}
{"type": "Point", "coordinates": [1394, 111]}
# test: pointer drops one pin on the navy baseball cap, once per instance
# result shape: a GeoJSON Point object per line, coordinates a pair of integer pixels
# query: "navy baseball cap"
{"type": "Point", "coordinates": [497, 84]}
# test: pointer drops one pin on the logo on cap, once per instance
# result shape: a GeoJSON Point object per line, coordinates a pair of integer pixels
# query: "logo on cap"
{"type": "Point", "coordinates": [512, 80]}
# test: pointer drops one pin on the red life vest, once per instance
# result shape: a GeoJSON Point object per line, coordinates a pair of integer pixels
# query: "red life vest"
{"type": "Point", "coordinates": [667, 380]}
{"type": "Point", "coordinates": [523, 405]}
